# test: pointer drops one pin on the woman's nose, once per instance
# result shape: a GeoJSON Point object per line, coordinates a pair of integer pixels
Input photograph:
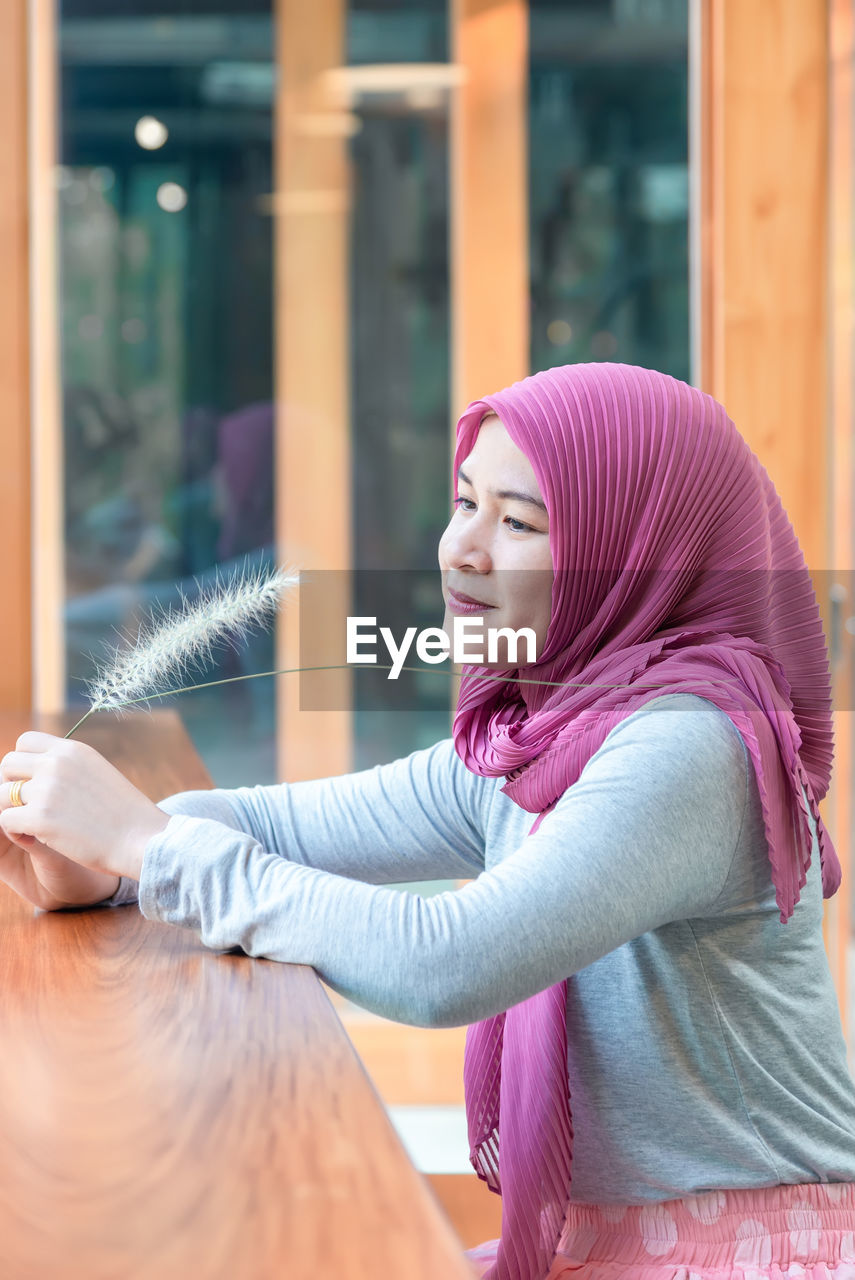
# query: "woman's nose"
{"type": "Point", "coordinates": [464, 547]}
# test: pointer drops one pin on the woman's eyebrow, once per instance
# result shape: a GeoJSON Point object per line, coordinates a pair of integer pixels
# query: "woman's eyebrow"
{"type": "Point", "coordinates": [513, 494]}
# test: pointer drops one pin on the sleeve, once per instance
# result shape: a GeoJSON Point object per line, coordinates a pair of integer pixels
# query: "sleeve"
{"type": "Point", "coordinates": [646, 836]}
{"type": "Point", "coordinates": [417, 818]}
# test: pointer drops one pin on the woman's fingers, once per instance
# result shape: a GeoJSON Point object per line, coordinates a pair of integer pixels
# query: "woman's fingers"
{"type": "Point", "coordinates": [16, 772]}
{"type": "Point", "coordinates": [47, 773]}
{"type": "Point", "coordinates": [13, 794]}
{"type": "Point", "coordinates": [46, 753]}
{"type": "Point", "coordinates": [34, 740]}
{"type": "Point", "coordinates": [17, 822]}
{"type": "Point", "coordinates": [19, 764]}
{"type": "Point", "coordinates": [31, 749]}
{"type": "Point", "coordinates": [16, 871]}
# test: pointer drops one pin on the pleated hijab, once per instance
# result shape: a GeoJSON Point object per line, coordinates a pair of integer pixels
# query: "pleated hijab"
{"type": "Point", "coordinates": [676, 570]}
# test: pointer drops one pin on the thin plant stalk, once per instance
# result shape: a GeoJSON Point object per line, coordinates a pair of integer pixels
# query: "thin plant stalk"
{"type": "Point", "coordinates": [341, 666]}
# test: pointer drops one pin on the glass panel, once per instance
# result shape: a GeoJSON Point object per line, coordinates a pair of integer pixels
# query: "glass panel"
{"type": "Point", "coordinates": [166, 239]}
{"type": "Point", "coordinates": [400, 353]}
{"type": "Point", "coordinates": [166, 270]}
{"type": "Point", "coordinates": [609, 185]}
{"type": "Point", "coordinates": [167, 312]}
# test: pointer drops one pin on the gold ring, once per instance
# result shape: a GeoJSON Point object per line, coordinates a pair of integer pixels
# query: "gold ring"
{"type": "Point", "coordinates": [15, 792]}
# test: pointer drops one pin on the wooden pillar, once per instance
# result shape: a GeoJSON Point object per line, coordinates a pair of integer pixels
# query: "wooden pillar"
{"type": "Point", "coordinates": [489, 198]}
{"type": "Point", "coordinates": [46, 427]}
{"type": "Point", "coordinates": [762, 147]}
{"type": "Point", "coordinates": [15, 479]}
{"type": "Point", "coordinates": [311, 206]}
{"type": "Point", "coordinates": [490, 295]}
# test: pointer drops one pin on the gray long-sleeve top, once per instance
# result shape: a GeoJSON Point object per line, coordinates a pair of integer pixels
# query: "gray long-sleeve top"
{"type": "Point", "coordinates": [704, 1037]}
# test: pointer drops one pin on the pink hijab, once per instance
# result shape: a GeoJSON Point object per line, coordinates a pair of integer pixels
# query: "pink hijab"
{"type": "Point", "coordinates": [676, 570]}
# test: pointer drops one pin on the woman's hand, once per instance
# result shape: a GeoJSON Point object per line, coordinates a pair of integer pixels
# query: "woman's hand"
{"type": "Point", "coordinates": [75, 805]}
{"type": "Point", "coordinates": [48, 880]}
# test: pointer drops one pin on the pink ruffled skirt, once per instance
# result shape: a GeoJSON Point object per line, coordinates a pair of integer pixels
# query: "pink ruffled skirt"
{"type": "Point", "coordinates": [793, 1232]}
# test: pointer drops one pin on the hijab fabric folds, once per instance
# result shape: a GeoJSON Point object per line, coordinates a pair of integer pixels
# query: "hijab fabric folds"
{"type": "Point", "coordinates": [676, 570]}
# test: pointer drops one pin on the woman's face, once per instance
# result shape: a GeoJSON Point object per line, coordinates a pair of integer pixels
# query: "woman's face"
{"type": "Point", "coordinates": [496, 547]}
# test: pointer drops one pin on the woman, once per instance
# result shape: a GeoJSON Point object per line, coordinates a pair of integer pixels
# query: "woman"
{"type": "Point", "coordinates": [653, 1027]}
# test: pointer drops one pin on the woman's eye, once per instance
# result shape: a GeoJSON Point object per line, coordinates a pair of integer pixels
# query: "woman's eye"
{"type": "Point", "coordinates": [515, 526]}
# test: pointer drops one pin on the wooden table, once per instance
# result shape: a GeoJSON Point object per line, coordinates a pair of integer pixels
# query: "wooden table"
{"type": "Point", "coordinates": [167, 1111]}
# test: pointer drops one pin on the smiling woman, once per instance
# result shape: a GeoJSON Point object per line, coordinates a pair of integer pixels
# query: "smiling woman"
{"type": "Point", "coordinates": [635, 811]}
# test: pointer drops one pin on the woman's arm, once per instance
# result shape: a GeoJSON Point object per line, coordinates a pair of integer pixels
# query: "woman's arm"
{"type": "Point", "coordinates": [417, 818]}
{"type": "Point", "coordinates": [646, 836]}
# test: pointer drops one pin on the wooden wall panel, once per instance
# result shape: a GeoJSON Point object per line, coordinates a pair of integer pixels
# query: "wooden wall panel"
{"type": "Point", "coordinates": [15, 508]}
{"type": "Point", "coordinates": [765, 205]}
{"type": "Point", "coordinates": [763, 153]}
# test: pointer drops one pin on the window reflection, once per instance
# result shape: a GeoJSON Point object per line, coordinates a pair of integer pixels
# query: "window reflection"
{"type": "Point", "coordinates": [609, 185]}
{"type": "Point", "coordinates": [166, 241]}
{"type": "Point", "coordinates": [166, 270]}
{"type": "Point", "coordinates": [400, 335]}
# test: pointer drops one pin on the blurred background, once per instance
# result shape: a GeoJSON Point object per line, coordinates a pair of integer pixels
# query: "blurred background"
{"type": "Point", "coordinates": [166, 224]}
{"type": "Point", "coordinates": [269, 251]}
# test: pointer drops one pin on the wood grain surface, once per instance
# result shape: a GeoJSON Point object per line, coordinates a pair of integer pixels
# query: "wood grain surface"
{"type": "Point", "coordinates": [171, 1111]}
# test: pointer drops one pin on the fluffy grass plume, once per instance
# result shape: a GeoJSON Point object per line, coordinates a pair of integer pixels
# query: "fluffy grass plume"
{"type": "Point", "coordinates": [173, 641]}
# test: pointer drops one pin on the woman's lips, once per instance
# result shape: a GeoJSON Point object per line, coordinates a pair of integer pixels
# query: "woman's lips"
{"type": "Point", "coordinates": [464, 604]}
